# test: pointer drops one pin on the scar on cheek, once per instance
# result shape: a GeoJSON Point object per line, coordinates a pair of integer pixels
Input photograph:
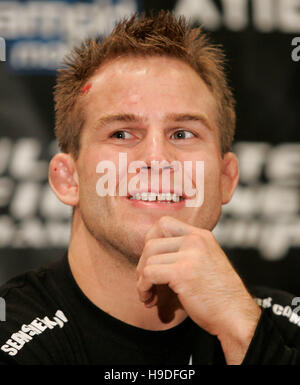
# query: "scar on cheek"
{"type": "Point", "coordinates": [86, 89]}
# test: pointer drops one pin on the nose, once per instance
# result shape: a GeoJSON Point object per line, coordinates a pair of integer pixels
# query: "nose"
{"type": "Point", "coordinates": [157, 154]}
{"type": "Point", "coordinates": [155, 148]}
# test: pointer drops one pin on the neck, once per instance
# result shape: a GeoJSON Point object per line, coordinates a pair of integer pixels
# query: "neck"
{"type": "Point", "coordinates": [109, 281]}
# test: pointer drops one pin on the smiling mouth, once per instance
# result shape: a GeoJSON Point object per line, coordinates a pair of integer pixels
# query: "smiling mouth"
{"type": "Point", "coordinates": [157, 198]}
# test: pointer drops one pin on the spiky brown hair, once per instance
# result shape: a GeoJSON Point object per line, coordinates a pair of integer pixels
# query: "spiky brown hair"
{"type": "Point", "coordinates": [162, 34]}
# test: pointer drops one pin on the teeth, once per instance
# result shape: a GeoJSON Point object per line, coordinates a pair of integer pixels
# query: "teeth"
{"type": "Point", "coordinates": [151, 197]}
{"type": "Point", "coordinates": [161, 197]}
{"type": "Point", "coordinates": [169, 197]}
{"type": "Point", "coordinates": [145, 196]}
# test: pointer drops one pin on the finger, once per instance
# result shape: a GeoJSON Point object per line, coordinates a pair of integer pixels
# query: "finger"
{"type": "Point", "coordinates": [145, 289]}
{"type": "Point", "coordinates": [162, 259]}
{"type": "Point", "coordinates": [169, 227]}
{"type": "Point", "coordinates": [162, 246]}
{"type": "Point", "coordinates": [168, 258]}
{"type": "Point", "coordinates": [153, 275]}
{"type": "Point", "coordinates": [153, 299]}
{"type": "Point", "coordinates": [157, 246]}
{"type": "Point", "coordinates": [152, 302]}
{"type": "Point", "coordinates": [146, 296]}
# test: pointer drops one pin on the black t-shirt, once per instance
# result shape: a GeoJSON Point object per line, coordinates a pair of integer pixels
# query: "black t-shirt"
{"type": "Point", "coordinates": [50, 321]}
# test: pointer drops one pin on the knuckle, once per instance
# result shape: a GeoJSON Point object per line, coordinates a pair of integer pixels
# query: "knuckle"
{"type": "Point", "coordinates": [190, 262]}
{"type": "Point", "coordinates": [187, 271]}
{"type": "Point", "coordinates": [192, 240]}
{"type": "Point", "coordinates": [206, 233]}
{"type": "Point", "coordinates": [199, 237]}
{"type": "Point", "coordinates": [162, 221]}
{"type": "Point", "coordinates": [149, 261]}
{"type": "Point", "coordinates": [149, 244]}
{"type": "Point", "coordinates": [177, 271]}
{"type": "Point", "coordinates": [194, 237]}
{"type": "Point", "coordinates": [188, 258]}
{"type": "Point", "coordinates": [175, 276]}
{"type": "Point", "coordinates": [146, 271]}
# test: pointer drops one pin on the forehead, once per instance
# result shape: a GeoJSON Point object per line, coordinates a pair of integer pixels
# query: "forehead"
{"type": "Point", "coordinates": [147, 85]}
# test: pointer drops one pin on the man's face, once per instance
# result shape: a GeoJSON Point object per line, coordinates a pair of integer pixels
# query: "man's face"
{"type": "Point", "coordinates": [160, 95]}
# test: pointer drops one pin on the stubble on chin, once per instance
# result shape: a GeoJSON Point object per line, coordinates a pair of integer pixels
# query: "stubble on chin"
{"type": "Point", "coordinates": [125, 248]}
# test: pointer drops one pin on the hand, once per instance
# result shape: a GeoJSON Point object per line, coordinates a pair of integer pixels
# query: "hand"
{"type": "Point", "coordinates": [202, 280]}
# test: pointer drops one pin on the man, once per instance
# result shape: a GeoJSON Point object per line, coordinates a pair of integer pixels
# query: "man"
{"type": "Point", "coordinates": [144, 280]}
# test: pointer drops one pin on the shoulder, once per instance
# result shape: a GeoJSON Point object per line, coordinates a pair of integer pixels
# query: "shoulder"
{"type": "Point", "coordinates": [32, 291]}
{"type": "Point", "coordinates": [31, 311]}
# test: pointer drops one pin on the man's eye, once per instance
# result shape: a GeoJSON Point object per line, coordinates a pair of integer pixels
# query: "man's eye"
{"type": "Point", "coordinates": [183, 134]}
{"type": "Point", "coordinates": [121, 135]}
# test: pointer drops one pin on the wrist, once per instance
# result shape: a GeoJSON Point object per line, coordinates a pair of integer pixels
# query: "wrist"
{"type": "Point", "coordinates": [236, 339]}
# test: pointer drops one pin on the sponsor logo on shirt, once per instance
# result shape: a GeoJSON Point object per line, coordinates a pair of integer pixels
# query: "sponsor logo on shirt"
{"type": "Point", "coordinates": [27, 332]}
{"type": "Point", "coordinates": [279, 310]}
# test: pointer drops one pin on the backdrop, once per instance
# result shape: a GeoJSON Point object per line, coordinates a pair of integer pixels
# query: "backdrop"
{"type": "Point", "coordinates": [260, 228]}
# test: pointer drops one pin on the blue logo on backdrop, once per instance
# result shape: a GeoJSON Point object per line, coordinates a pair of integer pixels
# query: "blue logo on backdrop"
{"type": "Point", "coordinates": [39, 34]}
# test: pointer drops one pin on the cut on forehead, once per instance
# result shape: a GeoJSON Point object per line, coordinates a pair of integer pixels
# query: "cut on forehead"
{"type": "Point", "coordinates": [166, 70]}
{"type": "Point", "coordinates": [126, 64]}
{"type": "Point", "coordinates": [160, 34]}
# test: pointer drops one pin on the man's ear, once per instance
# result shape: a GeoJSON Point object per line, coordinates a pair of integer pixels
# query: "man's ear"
{"type": "Point", "coordinates": [230, 176]}
{"type": "Point", "coordinates": [63, 178]}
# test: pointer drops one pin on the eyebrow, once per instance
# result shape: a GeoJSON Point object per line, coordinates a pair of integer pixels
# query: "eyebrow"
{"type": "Point", "coordinates": [201, 118]}
{"type": "Point", "coordinates": [132, 118]}
{"type": "Point", "coordinates": [113, 118]}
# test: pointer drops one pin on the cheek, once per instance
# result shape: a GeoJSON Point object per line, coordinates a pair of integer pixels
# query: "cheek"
{"type": "Point", "coordinates": [212, 176]}
{"type": "Point", "coordinates": [96, 166]}
{"type": "Point", "coordinates": [88, 169]}
{"type": "Point", "coordinates": [91, 159]}
{"type": "Point", "coordinates": [211, 165]}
